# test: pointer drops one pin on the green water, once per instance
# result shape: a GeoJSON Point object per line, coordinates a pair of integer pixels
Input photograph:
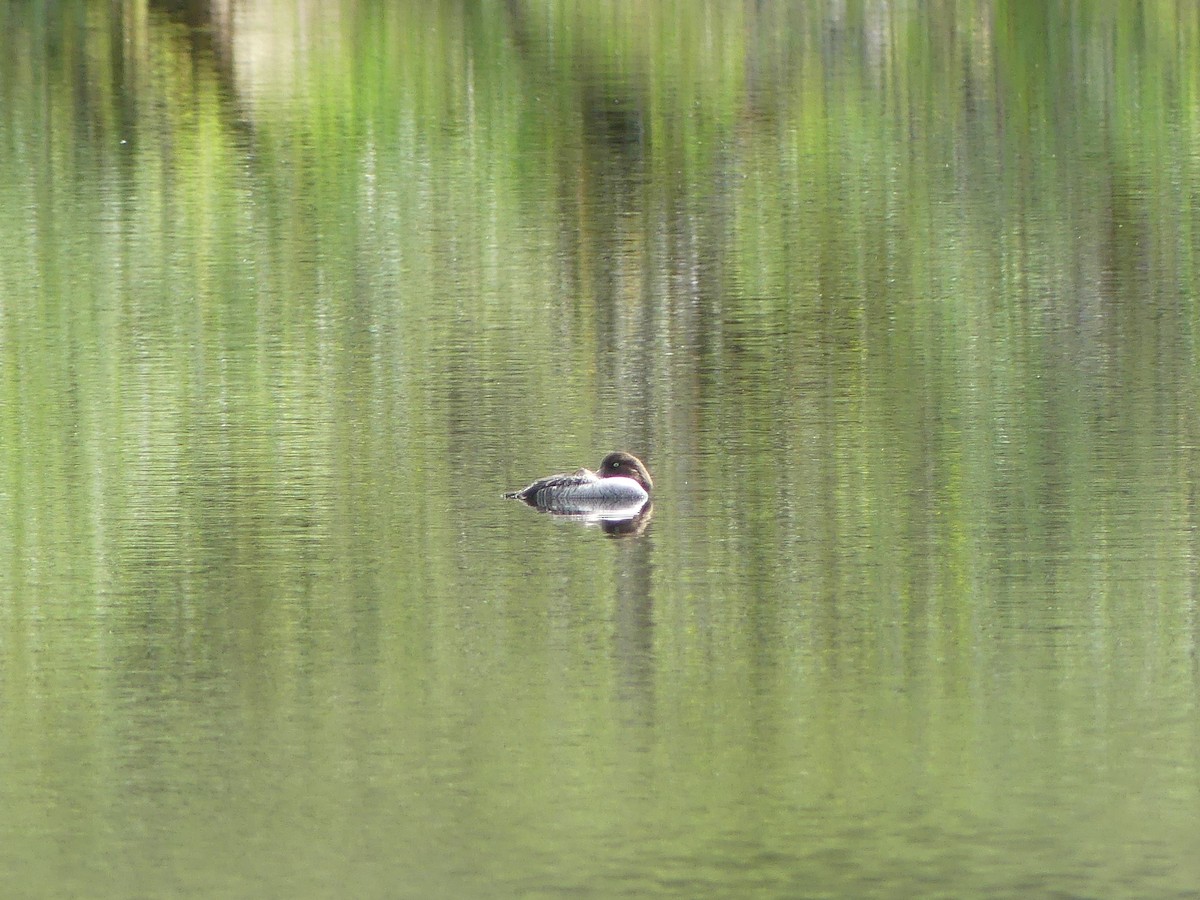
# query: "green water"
{"type": "Point", "coordinates": [897, 301]}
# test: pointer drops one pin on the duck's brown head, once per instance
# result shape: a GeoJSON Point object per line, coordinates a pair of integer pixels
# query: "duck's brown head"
{"type": "Point", "coordinates": [626, 464]}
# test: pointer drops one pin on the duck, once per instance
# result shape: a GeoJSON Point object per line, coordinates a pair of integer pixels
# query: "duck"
{"type": "Point", "coordinates": [622, 481]}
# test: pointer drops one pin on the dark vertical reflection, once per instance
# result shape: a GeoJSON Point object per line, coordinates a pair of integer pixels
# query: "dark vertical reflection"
{"type": "Point", "coordinates": [634, 641]}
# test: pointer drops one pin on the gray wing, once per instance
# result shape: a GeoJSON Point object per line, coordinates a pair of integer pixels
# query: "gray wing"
{"type": "Point", "coordinates": [541, 490]}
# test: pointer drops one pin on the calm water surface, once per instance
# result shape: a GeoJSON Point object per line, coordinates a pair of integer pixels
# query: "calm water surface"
{"type": "Point", "coordinates": [897, 301]}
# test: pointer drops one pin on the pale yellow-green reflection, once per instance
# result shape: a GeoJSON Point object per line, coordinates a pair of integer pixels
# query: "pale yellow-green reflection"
{"type": "Point", "coordinates": [898, 303]}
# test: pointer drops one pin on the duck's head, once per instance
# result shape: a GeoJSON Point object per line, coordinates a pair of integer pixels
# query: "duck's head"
{"type": "Point", "coordinates": [625, 464]}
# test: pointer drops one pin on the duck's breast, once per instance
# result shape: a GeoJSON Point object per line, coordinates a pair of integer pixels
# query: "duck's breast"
{"type": "Point", "coordinates": [617, 489]}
